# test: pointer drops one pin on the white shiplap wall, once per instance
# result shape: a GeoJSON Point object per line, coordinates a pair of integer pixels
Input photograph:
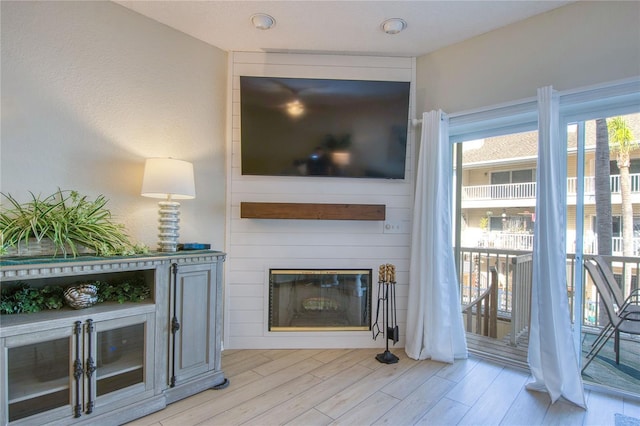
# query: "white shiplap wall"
{"type": "Point", "coordinates": [253, 246]}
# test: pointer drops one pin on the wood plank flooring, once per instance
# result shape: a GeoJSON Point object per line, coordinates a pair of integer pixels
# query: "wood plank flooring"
{"type": "Point", "coordinates": [350, 387]}
{"type": "Point", "coordinates": [499, 351]}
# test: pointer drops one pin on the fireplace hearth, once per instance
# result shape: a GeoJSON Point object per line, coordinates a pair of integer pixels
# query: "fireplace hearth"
{"type": "Point", "coordinates": [319, 299]}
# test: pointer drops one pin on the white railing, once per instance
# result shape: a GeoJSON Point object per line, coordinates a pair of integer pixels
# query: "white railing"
{"type": "Point", "coordinates": [524, 241]}
{"type": "Point", "coordinates": [590, 184]}
{"type": "Point", "coordinates": [515, 281]}
{"type": "Point", "coordinates": [500, 192]}
{"type": "Point", "coordinates": [509, 191]}
{"type": "Point", "coordinates": [617, 246]}
{"type": "Point", "coordinates": [508, 241]}
{"type": "Point", "coordinates": [522, 270]}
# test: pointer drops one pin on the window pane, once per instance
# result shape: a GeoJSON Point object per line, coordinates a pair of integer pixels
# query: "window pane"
{"type": "Point", "coordinates": [497, 210]}
{"type": "Point", "coordinates": [605, 234]}
{"type": "Point", "coordinates": [520, 176]}
{"type": "Point", "coordinates": [496, 224]}
{"type": "Point", "coordinates": [500, 177]}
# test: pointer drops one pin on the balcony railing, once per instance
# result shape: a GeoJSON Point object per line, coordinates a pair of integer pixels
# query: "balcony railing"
{"type": "Point", "coordinates": [527, 190]}
{"type": "Point", "coordinates": [524, 241]}
{"type": "Point", "coordinates": [514, 269]}
{"type": "Point", "coordinates": [507, 240]}
{"type": "Point", "coordinates": [617, 245]}
{"type": "Point", "coordinates": [507, 191]}
{"type": "Point", "coordinates": [476, 264]}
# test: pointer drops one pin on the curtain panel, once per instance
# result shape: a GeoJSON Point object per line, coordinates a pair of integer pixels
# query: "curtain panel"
{"type": "Point", "coordinates": [552, 358]}
{"type": "Point", "coordinates": [434, 318]}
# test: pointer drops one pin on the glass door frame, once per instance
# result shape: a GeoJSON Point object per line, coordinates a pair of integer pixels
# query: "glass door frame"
{"type": "Point", "coordinates": [579, 119]}
{"type": "Point", "coordinates": [578, 112]}
{"type": "Point", "coordinates": [42, 337]}
{"type": "Point", "coordinates": [578, 276]}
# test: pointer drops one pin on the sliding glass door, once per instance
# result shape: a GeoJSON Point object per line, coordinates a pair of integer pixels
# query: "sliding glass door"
{"type": "Point", "coordinates": [495, 212]}
{"type": "Point", "coordinates": [495, 215]}
{"type": "Point", "coordinates": [603, 199]}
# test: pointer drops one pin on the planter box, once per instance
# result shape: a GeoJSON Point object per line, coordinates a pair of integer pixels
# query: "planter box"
{"type": "Point", "coordinates": [44, 247]}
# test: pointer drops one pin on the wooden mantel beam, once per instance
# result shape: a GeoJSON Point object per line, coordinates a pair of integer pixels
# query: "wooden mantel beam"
{"type": "Point", "coordinates": [317, 211]}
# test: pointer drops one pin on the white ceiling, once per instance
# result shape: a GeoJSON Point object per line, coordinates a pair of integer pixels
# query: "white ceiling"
{"type": "Point", "coordinates": [342, 27]}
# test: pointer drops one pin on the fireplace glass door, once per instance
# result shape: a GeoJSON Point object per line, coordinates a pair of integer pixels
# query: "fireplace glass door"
{"type": "Point", "coordinates": [319, 300]}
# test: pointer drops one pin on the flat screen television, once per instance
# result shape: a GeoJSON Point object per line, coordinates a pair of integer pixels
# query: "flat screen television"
{"type": "Point", "coordinates": [323, 127]}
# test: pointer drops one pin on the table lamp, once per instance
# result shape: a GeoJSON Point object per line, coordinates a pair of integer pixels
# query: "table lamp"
{"type": "Point", "coordinates": [171, 180]}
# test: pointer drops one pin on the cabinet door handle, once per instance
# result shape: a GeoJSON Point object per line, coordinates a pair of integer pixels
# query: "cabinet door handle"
{"type": "Point", "coordinates": [77, 369]}
{"type": "Point", "coordinates": [175, 325]}
{"type": "Point", "coordinates": [91, 367]}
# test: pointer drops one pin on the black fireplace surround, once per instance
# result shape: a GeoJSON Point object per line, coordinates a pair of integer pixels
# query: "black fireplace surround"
{"type": "Point", "coordinates": [319, 299]}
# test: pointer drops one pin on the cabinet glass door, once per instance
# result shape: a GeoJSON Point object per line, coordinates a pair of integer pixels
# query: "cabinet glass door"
{"type": "Point", "coordinates": [38, 377]}
{"type": "Point", "coordinates": [120, 358]}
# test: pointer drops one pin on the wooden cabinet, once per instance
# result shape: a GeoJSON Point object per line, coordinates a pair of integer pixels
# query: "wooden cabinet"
{"type": "Point", "coordinates": [196, 324]}
{"type": "Point", "coordinates": [112, 363]}
{"type": "Point", "coordinates": [84, 368]}
{"type": "Point", "coordinates": [38, 374]}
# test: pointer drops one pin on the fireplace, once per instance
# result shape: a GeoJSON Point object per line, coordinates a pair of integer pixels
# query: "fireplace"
{"type": "Point", "coordinates": [319, 299]}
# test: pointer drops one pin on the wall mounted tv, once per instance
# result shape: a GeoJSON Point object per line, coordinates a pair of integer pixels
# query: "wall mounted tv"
{"type": "Point", "coordinates": [323, 127]}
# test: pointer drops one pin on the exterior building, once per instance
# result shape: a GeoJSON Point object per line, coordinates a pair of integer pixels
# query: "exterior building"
{"type": "Point", "coordinates": [499, 191]}
{"type": "Point", "coordinates": [498, 210]}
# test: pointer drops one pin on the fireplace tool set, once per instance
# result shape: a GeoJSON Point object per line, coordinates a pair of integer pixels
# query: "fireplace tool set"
{"type": "Point", "coordinates": [387, 295]}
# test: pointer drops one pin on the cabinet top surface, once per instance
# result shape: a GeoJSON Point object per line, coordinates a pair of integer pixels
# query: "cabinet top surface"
{"type": "Point", "coordinates": [48, 260]}
{"type": "Point", "coordinates": [23, 260]}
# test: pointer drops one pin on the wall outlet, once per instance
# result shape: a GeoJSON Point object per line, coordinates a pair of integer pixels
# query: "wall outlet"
{"type": "Point", "coordinates": [396, 227]}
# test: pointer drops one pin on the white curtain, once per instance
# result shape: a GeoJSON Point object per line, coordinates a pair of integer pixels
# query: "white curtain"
{"type": "Point", "coordinates": [552, 358]}
{"type": "Point", "coordinates": [434, 316]}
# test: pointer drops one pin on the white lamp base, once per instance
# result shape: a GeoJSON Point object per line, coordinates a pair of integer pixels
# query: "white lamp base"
{"type": "Point", "coordinates": [168, 220]}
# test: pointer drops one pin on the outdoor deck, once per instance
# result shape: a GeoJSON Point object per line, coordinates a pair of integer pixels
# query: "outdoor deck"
{"type": "Point", "coordinates": [498, 350]}
{"type": "Point", "coordinates": [603, 371]}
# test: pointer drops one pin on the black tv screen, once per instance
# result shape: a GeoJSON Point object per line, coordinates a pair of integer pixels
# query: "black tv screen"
{"type": "Point", "coordinates": [323, 127]}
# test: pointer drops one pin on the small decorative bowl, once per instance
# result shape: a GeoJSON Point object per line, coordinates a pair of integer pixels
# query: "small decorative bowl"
{"type": "Point", "coordinates": [81, 296]}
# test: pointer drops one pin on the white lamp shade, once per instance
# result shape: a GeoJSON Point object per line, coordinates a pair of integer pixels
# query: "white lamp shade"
{"type": "Point", "coordinates": [168, 178]}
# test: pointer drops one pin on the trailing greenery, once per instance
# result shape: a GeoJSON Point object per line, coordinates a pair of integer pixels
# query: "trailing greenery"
{"type": "Point", "coordinates": [128, 290]}
{"type": "Point", "coordinates": [70, 220]}
{"type": "Point", "coordinates": [22, 298]}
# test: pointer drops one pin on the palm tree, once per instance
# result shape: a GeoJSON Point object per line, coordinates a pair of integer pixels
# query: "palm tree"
{"type": "Point", "coordinates": [603, 188]}
{"type": "Point", "coordinates": [604, 228]}
{"type": "Point", "coordinates": [621, 141]}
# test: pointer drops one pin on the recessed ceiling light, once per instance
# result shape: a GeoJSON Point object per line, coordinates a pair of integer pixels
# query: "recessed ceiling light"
{"type": "Point", "coordinates": [393, 25]}
{"type": "Point", "coordinates": [262, 21]}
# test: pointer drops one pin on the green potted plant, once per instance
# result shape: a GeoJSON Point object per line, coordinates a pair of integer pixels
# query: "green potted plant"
{"type": "Point", "coordinates": [71, 222]}
{"type": "Point", "coordinates": [484, 223]}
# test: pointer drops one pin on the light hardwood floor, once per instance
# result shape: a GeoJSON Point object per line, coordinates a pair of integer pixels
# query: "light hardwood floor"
{"type": "Point", "coordinates": [350, 387]}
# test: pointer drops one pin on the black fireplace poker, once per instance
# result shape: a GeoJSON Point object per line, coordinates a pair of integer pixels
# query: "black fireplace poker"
{"type": "Point", "coordinates": [387, 295]}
